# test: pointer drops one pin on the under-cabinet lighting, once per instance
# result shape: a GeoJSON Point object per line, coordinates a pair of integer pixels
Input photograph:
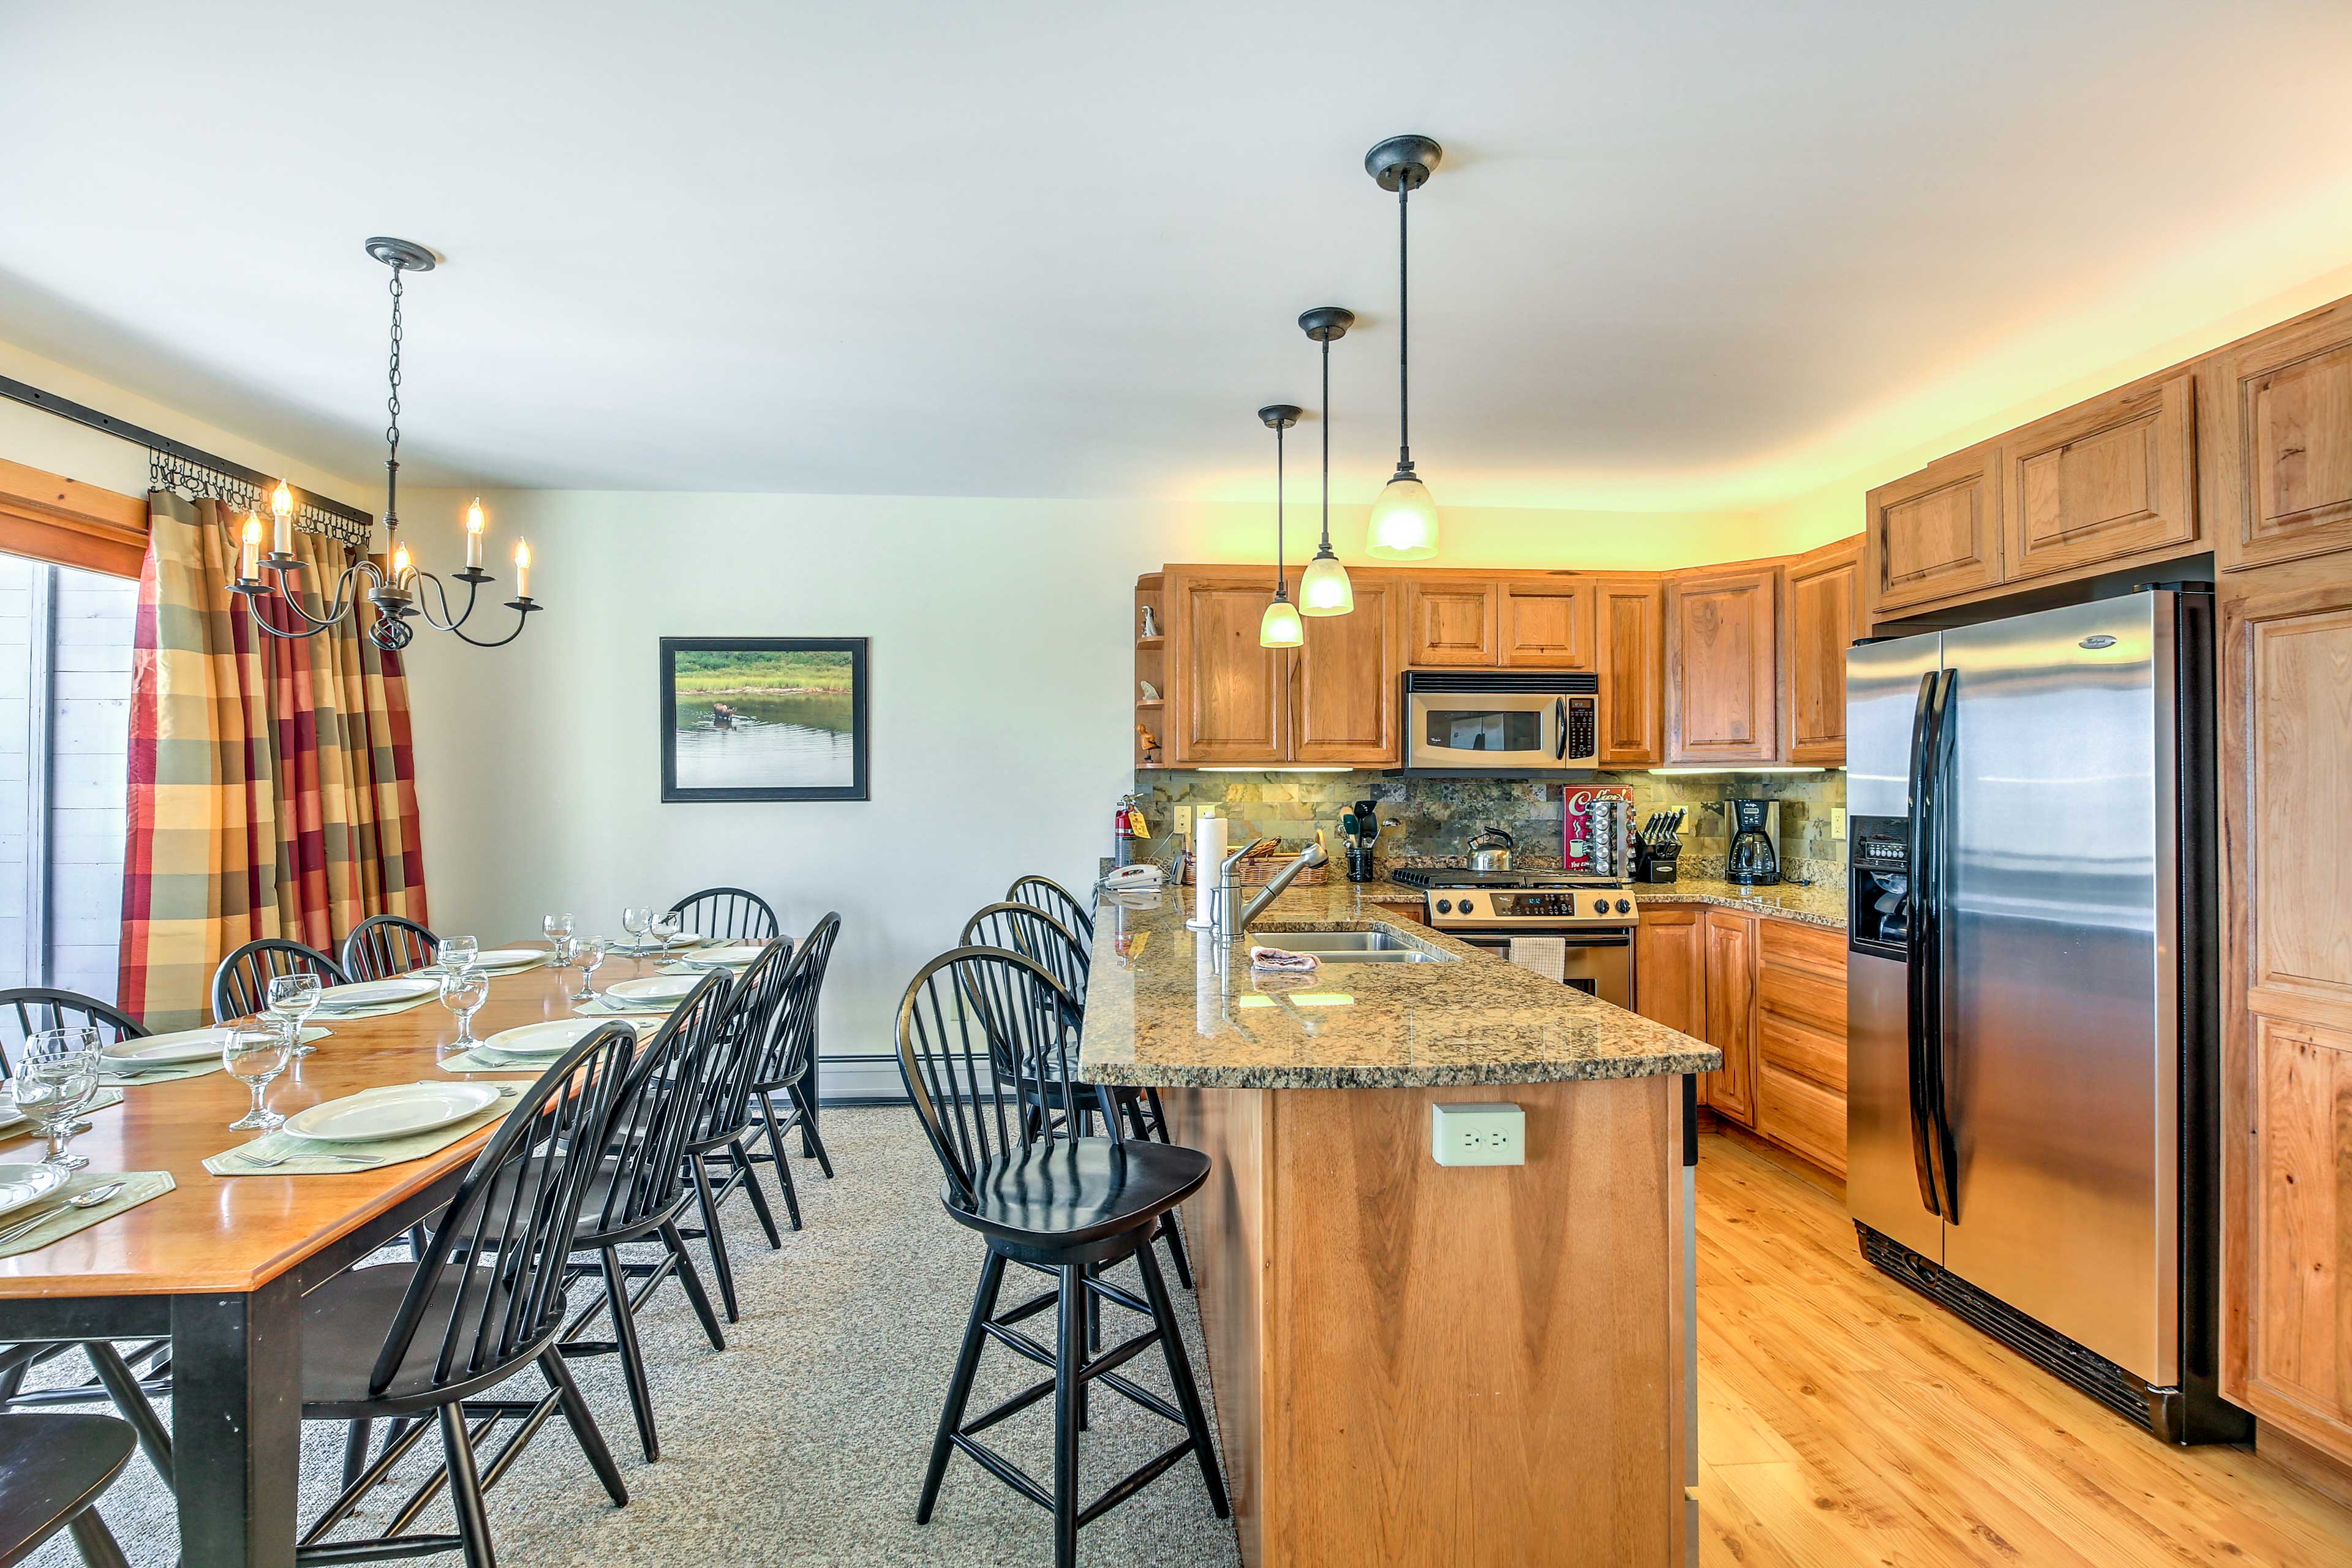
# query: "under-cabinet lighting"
{"type": "Point", "coordinates": [1756, 768]}
{"type": "Point", "coordinates": [1256, 768]}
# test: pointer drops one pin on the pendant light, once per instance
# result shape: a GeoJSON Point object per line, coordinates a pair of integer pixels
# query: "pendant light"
{"type": "Point", "coordinates": [1281, 627]}
{"type": "Point", "coordinates": [1324, 589]}
{"type": "Point", "coordinates": [1405, 519]}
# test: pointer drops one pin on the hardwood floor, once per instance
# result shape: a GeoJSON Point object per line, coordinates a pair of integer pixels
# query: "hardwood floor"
{"type": "Point", "coordinates": [1846, 1420]}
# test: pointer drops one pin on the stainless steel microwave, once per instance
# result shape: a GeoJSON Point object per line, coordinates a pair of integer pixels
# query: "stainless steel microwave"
{"type": "Point", "coordinates": [1501, 721]}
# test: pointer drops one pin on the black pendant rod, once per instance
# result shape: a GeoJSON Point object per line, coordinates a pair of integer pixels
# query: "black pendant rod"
{"type": "Point", "coordinates": [1404, 338]}
{"type": "Point", "coordinates": [1327, 445]}
{"type": "Point", "coordinates": [1281, 588]}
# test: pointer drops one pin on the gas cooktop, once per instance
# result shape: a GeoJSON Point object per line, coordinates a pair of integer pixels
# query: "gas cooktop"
{"type": "Point", "coordinates": [1462, 877]}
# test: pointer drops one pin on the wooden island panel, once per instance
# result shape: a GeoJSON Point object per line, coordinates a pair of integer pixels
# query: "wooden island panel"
{"type": "Point", "coordinates": [1421, 1363]}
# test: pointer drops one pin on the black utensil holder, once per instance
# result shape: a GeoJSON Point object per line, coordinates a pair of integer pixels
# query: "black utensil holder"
{"type": "Point", "coordinates": [1359, 865]}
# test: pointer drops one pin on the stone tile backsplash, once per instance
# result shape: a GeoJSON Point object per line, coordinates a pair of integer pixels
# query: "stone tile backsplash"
{"type": "Point", "coordinates": [1423, 818]}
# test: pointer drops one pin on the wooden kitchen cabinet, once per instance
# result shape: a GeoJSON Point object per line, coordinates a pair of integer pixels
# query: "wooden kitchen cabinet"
{"type": "Point", "coordinates": [1801, 1039]}
{"type": "Point", "coordinates": [2279, 458]}
{"type": "Point", "coordinates": [1935, 534]}
{"type": "Point", "coordinates": [1722, 669]}
{"type": "Point", "coordinates": [1629, 643]}
{"type": "Point", "coordinates": [1670, 966]}
{"type": "Point", "coordinates": [2108, 478]}
{"type": "Point", "coordinates": [1820, 618]}
{"type": "Point", "coordinates": [1730, 942]}
{"type": "Point", "coordinates": [1546, 622]}
{"type": "Point", "coordinates": [1452, 623]}
{"type": "Point", "coordinates": [1232, 698]}
{"type": "Point", "coordinates": [1344, 690]}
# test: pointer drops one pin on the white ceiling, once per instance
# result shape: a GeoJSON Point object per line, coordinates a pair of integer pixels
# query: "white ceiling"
{"type": "Point", "coordinates": [1702, 253]}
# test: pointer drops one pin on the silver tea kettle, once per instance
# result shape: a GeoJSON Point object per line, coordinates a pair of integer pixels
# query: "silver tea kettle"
{"type": "Point", "coordinates": [1491, 851]}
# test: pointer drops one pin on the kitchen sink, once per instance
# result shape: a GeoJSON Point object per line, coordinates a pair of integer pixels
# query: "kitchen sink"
{"type": "Point", "coordinates": [1353, 946]}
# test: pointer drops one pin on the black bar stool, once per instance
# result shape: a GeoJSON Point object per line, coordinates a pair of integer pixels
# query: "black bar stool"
{"type": "Point", "coordinates": [52, 1470]}
{"type": "Point", "coordinates": [981, 1031]}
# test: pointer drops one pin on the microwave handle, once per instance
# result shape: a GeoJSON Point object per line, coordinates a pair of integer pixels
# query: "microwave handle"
{"type": "Point", "coordinates": [1560, 720]}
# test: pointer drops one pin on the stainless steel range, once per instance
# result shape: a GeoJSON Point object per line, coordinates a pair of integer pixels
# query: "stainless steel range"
{"type": "Point", "coordinates": [1591, 919]}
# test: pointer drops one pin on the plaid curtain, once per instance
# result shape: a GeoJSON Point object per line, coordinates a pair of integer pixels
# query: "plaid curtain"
{"type": "Point", "coordinates": [272, 781]}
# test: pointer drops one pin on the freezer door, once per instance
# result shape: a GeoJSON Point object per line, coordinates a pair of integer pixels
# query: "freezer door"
{"type": "Point", "coordinates": [1882, 1183]}
{"type": "Point", "coordinates": [2059, 1002]}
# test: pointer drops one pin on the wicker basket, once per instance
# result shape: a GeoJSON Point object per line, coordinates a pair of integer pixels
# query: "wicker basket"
{"type": "Point", "coordinates": [1260, 868]}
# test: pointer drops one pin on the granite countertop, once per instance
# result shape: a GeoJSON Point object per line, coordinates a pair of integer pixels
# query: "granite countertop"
{"type": "Point", "coordinates": [1165, 1007]}
{"type": "Point", "coordinates": [1822, 904]}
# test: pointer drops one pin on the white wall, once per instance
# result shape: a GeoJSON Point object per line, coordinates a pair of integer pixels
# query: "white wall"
{"type": "Point", "coordinates": [1001, 700]}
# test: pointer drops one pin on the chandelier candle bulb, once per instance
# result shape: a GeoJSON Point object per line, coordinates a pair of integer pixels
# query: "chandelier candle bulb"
{"type": "Point", "coordinates": [522, 568]}
{"type": "Point", "coordinates": [281, 508]}
{"type": "Point", "coordinates": [249, 568]}
{"type": "Point", "coordinates": [474, 536]}
{"type": "Point", "coordinates": [403, 565]}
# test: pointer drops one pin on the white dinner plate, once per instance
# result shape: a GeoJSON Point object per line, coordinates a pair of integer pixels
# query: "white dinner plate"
{"type": "Point", "coordinates": [734, 953]}
{"type": "Point", "coordinates": [653, 944]}
{"type": "Point", "coordinates": [550, 1037]}
{"type": "Point", "coordinates": [393, 1110]}
{"type": "Point", "coordinates": [180, 1045]}
{"type": "Point", "coordinates": [22, 1185]}
{"type": "Point", "coordinates": [655, 988]}
{"type": "Point", "coordinates": [508, 957]}
{"type": "Point", "coordinates": [377, 992]}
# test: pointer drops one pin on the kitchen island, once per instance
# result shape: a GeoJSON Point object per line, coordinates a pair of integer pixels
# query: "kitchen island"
{"type": "Point", "coordinates": [1418, 1364]}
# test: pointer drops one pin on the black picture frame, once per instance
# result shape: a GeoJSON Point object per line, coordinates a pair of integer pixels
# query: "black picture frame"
{"type": "Point", "coordinates": [859, 664]}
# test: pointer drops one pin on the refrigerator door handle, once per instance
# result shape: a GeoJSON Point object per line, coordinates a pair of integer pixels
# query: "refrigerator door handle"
{"type": "Point", "coordinates": [1934, 1147]}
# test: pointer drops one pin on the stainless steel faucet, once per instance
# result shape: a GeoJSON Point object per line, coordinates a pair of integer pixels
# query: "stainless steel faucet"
{"type": "Point", "coordinates": [1229, 917]}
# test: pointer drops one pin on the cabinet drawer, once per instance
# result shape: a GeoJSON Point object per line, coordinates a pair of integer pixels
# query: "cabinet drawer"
{"type": "Point", "coordinates": [1809, 1053]}
{"type": "Point", "coordinates": [1805, 996]}
{"type": "Point", "coordinates": [1814, 947]}
{"type": "Point", "coordinates": [1802, 1115]}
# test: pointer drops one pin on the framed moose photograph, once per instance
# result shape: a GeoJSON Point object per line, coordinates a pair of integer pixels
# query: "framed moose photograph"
{"type": "Point", "coordinates": [764, 718]}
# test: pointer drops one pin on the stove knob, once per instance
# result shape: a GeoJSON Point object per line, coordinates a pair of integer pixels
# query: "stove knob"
{"type": "Point", "coordinates": [1445, 906]}
{"type": "Point", "coordinates": [1625, 908]}
{"type": "Point", "coordinates": [1466, 906]}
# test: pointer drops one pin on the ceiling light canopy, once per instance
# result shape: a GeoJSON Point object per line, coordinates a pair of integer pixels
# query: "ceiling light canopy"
{"type": "Point", "coordinates": [1403, 524]}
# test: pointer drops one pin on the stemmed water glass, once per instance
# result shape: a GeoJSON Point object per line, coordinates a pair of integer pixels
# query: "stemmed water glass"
{"type": "Point", "coordinates": [456, 952]}
{"type": "Point", "coordinates": [636, 919]}
{"type": "Point", "coordinates": [292, 999]}
{"type": "Point", "coordinates": [558, 935]}
{"type": "Point", "coordinates": [254, 1058]}
{"type": "Point", "coordinates": [666, 926]}
{"type": "Point", "coordinates": [463, 992]}
{"type": "Point", "coordinates": [55, 1076]}
{"type": "Point", "coordinates": [589, 952]}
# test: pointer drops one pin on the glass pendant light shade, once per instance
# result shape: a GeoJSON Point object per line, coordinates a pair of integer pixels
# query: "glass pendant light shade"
{"type": "Point", "coordinates": [1324, 588]}
{"type": "Point", "coordinates": [1281, 628]}
{"type": "Point", "coordinates": [1404, 522]}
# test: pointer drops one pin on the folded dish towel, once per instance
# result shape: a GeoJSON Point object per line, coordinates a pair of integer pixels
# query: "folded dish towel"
{"type": "Point", "coordinates": [1283, 959]}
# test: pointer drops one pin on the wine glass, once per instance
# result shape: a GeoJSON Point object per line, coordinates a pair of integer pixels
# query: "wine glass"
{"type": "Point", "coordinates": [589, 952]}
{"type": "Point", "coordinates": [559, 932]}
{"type": "Point", "coordinates": [636, 919]}
{"type": "Point", "coordinates": [463, 992]}
{"type": "Point", "coordinates": [666, 926]}
{"type": "Point", "coordinates": [254, 1058]}
{"type": "Point", "coordinates": [292, 999]}
{"type": "Point", "coordinates": [567, 952]}
{"type": "Point", "coordinates": [55, 1076]}
{"type": "Point", "coordinates": [456, 952]}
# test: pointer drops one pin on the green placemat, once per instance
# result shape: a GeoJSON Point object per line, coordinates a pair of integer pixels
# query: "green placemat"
{"type": "Point", "coordinates": [60, 1221]}
{"type": "Point", "coordinates": [653, 949]}
{"type": "Point", "coordinates": [103, 1099]}
{"type": "Point", "coordinates": [602, 1008]}
{"type": "Point", "coordinates": [481, 1059]}
{"type": "Point", "coordinates": [197, 1069]}
{"type": "Point", "coordinates": [541, 962]}
{"type": "Point", "coordinates": [309, 1157]}
{"type": "Point", "coordinates": [386, 1011]}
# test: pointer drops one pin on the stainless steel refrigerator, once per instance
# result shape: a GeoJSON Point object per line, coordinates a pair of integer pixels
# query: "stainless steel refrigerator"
{"type": "Point", "coordinates": [2032, 1111]}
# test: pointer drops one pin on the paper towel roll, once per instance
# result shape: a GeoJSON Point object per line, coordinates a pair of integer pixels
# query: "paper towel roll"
{"type": "Point", "coordinates": [1547, 955]}
{"type": "Point", "coordinates": [1208, 854]}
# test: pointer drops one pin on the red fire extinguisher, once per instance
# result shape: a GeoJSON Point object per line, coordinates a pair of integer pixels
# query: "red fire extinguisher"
{"type": "Point", "coordinates": [1127, 829]}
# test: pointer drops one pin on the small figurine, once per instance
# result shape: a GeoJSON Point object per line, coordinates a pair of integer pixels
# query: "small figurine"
{"type": "Point", "coordinates": [1151, 623]}
{"type": "Point", "coordinates": [1148, 743]}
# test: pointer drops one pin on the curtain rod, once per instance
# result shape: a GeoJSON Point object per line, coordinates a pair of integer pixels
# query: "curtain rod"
{"type": "Point", "coordinates": [80, 414]}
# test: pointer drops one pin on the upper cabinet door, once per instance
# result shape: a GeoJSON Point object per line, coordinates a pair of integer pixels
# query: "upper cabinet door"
{"type": "Point", "coordinates": [1231, 696]}
{"type": "Point", "coordinates": [1822, 615]}
{"type": "Point", "coordinates": [1345, 685]}
{"type": "Point", "coordinates": [1451, 623]}
{"type": "Point", "coordinates": [1631, 615]}
{"type": "Point", "coordinates": [1934, 534]}
{"type": "Point", "coordinates": [2104, 480]}
{"type": "Point", "coordinates": [2280, 468]}
{"type": "Point", "coordinates": [1722, 678]}
{"type": "Point", "coordinates": [1547, 623]}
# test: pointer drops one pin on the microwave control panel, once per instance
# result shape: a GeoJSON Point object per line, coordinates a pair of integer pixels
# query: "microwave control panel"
{"type": "Point", "coordinates": [1583, 731]}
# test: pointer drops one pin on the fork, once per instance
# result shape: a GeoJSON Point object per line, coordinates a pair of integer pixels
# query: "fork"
{"type": "Point", "coordinates": [268, 1164]}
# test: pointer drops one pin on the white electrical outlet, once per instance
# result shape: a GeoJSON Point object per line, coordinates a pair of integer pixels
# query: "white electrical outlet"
{"type": "Point", "coordinates": [1837, 822]}
{"type": "Point", "coordinates": [1181, 821]}
{"type": "Point", "coordinates": [1478, 1134]}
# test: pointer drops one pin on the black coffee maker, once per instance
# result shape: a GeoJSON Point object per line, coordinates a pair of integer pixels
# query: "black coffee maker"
{"type": "Point", "coordinates": [1752, 861]}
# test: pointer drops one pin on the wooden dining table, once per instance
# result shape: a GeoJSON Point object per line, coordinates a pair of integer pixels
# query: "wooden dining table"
{"type": "Point", "coordinates": [220, 1264]}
